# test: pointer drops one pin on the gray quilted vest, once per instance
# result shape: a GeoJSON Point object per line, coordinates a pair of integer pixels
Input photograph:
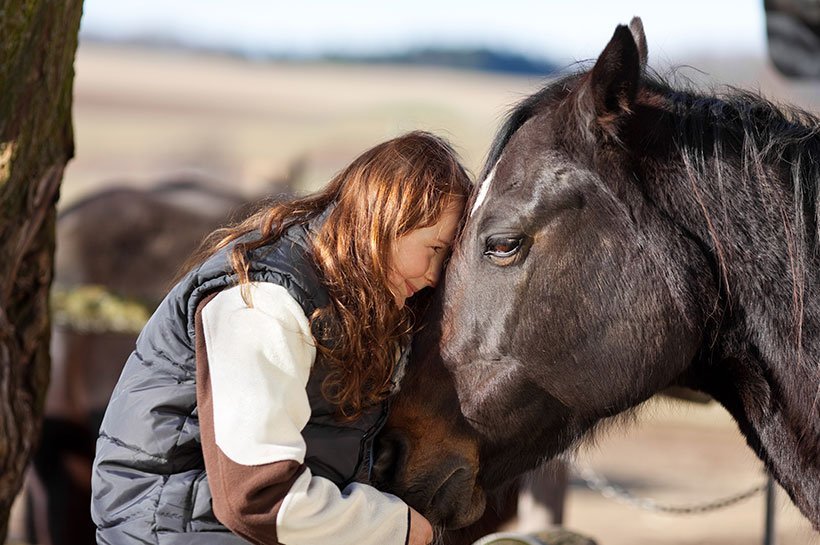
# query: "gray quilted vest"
{"type": "Point", "coordinates": [149, 483]}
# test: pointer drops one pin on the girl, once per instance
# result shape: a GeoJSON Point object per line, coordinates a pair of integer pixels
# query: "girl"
{"type": "Point", "coordinates": [248, 408]}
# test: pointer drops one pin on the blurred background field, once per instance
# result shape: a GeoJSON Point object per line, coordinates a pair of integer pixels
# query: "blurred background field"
{"type": "Point", "coordinates": [142, 115]}
{"type": "Point", "coordinates": [155, 96]}
{"type": "Point", "coordinates": [147, 112]}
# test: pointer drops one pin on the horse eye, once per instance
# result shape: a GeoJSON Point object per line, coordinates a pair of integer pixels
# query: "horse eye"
{"type": "Point", "coordinates": [502, 249]}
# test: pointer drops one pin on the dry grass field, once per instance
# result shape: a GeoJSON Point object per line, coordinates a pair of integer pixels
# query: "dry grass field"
{"type": "Point", "coordinates": [145, 116]}
{"type": "Point", "coordinates": [142, 116]}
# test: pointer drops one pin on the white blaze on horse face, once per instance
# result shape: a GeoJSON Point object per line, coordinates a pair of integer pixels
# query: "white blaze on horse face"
{"type": "Point", "coordinates": [482, 192]}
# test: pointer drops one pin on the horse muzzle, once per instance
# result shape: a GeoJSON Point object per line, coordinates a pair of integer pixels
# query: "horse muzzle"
{"type": "Point", "coordinates": [457, 502]}
{"type": "Point", "coordinates": [443, 487]}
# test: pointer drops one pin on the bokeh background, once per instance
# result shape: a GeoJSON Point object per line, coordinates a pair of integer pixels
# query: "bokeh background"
{"type": "Point", "coordinates": [247, 95]}
{"type": "Point", "coordinates": [237, 91]}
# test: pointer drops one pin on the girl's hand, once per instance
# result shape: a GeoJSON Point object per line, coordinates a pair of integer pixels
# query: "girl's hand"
{"type": "Point", "coordinates": [421, 533]}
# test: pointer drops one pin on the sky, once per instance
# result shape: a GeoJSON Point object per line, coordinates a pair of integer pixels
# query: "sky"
{"type": "Point", "coordinates": [562, 31]}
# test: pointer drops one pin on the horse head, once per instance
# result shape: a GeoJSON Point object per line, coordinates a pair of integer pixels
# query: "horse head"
{"type": "Point", "coordinates": [591, 273]}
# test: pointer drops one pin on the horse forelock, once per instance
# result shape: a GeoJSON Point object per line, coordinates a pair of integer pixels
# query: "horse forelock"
{"type": "Point", "coordinates": [522, 112]}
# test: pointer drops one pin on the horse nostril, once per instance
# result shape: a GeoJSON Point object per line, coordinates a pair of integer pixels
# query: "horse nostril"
{"type": "Point", "coordinates": [449, 488]}
{"type": "Point", "coordinates": [390, 453]}
{"type": "Point", "coordinates": [453, 498]}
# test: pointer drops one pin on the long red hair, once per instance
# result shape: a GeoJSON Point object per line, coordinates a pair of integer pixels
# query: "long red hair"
{"type": "Point", "coordinates": [391, 189]}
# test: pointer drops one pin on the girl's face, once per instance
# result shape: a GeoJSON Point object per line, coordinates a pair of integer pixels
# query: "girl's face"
{"type": "Point", "coordinates": [418, 256]}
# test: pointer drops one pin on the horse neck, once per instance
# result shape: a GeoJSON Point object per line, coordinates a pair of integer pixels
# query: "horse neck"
{"type": "Point", "coordinates": [752, 208]}
{"type": "Point", "coordinates": [746, 187]}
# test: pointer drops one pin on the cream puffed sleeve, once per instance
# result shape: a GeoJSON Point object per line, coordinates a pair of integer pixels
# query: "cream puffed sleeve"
{"type": "Point", "coordinates": [253, 364]}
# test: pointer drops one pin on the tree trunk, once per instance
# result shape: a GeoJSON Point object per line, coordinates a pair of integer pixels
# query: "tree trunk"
{"type": "Point", "coordinates": [38, 40]}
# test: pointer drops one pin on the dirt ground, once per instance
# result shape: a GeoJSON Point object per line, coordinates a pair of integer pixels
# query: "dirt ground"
{"type": "Point", "coordinates": [679, 454]}
{"type": "Point", "coordinates": [144, 116]}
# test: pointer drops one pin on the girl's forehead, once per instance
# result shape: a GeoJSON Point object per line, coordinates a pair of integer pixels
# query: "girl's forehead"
{"type": "Point", "coordinates": [447, 225]}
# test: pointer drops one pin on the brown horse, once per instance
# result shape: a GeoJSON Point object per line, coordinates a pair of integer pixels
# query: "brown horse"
{"type": "Point", "coordinates": [627, 236]}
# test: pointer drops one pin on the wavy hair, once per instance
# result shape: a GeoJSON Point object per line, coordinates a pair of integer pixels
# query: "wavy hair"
{"type": "Point", "coordinates": [391, 189]}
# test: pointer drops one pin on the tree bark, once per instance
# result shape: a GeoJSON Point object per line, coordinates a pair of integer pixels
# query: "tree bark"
{"type": "Point", "coordinates": [38, 40]}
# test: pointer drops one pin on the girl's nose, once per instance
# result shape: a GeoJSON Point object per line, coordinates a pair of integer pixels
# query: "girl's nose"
{"type": "Point", "coordinates": [434, 272]}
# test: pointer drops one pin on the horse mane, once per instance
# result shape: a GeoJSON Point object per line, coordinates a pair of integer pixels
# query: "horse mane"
{"type": "Point", "coordinates": [774, 130]}
{"type": "Point", "coordinates": [523, 111]}
{"type": "Point", "coordinates": [764, 135]}
{"type": "Point", "coordinates": [777, 151]}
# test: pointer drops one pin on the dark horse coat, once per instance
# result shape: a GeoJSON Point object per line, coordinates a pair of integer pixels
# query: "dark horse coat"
{"type": "Point", "coordinates": [627, 236]}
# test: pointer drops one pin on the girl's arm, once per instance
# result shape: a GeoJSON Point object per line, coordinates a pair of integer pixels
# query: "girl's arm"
{"type": "Point", "coordinates": [252, 370]}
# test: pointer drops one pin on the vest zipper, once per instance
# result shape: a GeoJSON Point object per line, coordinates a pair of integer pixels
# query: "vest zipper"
{"type": "Point", "coordinates": [363, 444]}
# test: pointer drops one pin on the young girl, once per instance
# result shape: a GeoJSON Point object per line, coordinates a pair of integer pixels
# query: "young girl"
{"type": "Point", "coordinates": [248, 409]}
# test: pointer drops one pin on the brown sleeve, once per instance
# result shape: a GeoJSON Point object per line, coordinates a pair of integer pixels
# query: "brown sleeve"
{"type": "Point", "coordinates": [246, 499]}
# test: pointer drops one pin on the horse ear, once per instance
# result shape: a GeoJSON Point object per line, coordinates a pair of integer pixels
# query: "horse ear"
{"type": "Point", "coordinates": [613, 82]}
{"type": "Point", "coordinates": [636, 28]}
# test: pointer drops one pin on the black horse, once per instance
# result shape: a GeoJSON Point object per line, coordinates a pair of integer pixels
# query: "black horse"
{"type": "Point", "coordinates": [627, 236]}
